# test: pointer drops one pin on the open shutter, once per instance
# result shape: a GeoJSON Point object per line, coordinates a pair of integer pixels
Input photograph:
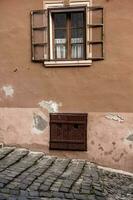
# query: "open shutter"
{"type": "Point", "coordinates": [94, 33]}
{"type": "Point", "coordinates": [39, 35]}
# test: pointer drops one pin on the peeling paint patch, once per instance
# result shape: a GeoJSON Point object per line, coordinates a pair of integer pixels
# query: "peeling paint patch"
{"type": "Point", "coordinates": [39, 124]}
{"type": "Point", "coordinates": [1, 145]}
{"type": "Point", "coordinates": [115, 117]}
{"type": "Point", "coordinates": [51, 106]}
{"type": "Point", "coordinates": [8, 90]}
{"type": "Point", "coordinates": [130, 137]}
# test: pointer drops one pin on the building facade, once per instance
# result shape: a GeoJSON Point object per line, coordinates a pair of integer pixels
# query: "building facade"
{"type": "Point", "coordinates": [67, 79]}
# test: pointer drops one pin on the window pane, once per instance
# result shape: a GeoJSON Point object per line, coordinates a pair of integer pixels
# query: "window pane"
{"type": "Point", "coordinates": [60, 51]}
{"type": "Point", "coordinates": [60, 33]}
{"type": "Point", "coordinates": [77, 19]}
{"type": "Point", "coordinates": [77, 51]}
{"type": "Point", "coordinates": [60, 20]}
{"type": "Point", "coordinates": [60, 43]}
{"type": "Point", "coordinates": [68, 25]}
{"type": "Point", "coordinates": [77, 33]}
{"type": "Point", "coordinates": [76, 40]}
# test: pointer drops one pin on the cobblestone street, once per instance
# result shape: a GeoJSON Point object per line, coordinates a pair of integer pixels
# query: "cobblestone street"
{"type": "Point", "coordinates": [28, 175]}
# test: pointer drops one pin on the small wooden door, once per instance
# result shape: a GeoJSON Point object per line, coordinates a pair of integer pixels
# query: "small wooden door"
{"type": "Point", "coordinates": [68, 131]}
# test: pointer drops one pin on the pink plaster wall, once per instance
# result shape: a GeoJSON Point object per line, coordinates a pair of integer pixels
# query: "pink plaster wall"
{"type": "Point", "coordinates": [105, 86]}
{"type": "Point", "coordinates": [107, 138]}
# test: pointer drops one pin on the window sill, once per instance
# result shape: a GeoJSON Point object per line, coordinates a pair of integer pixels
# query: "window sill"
{"type": "Point", "coordinates": [67, 63]}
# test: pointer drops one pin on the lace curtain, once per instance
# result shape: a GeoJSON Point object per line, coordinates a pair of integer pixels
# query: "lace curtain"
{"type": "Point", "coordinates": [76, 48]}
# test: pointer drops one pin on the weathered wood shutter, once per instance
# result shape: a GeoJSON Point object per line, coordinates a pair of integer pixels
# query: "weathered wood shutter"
{"type": "Point", "coordinates": [94, 33]}
{"type": "Point", "coordinates": [68, 131]}
{"type": "Point", "coordinates": [39, 35]}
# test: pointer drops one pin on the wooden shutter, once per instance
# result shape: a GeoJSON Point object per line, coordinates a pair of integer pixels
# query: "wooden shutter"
{"type": "Point", "coordinates": [68, 131]}
{"type": "Point", "coordinates": [94, 33]}
{"type": "Point", "coordinates": [39, 35]}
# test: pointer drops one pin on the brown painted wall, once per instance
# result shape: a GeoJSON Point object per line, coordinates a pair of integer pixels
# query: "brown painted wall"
{"type": "Point", "coordinates": [105, 86]}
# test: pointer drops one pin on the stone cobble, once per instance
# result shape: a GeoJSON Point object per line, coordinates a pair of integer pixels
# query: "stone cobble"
{"type": "Point", "coordinates": [26, 175]}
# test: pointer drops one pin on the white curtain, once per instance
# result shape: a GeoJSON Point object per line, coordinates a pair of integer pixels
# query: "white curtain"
{"type": "Point", "coordinates": [60, 51]}
{"type": "Point", "coordinates": [77, 49]}
{"type": "Point", "coordinates": [60, 48]}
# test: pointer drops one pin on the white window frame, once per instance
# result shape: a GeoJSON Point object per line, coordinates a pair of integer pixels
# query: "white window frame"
{"type": "Point", "coordinates": [59, 4]}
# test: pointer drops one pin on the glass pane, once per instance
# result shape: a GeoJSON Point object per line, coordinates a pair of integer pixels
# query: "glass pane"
{"type": "Point", "coordinates": [60, 51]}
{"type": "Point", "coordinates": [60, 33]}
{"type": "Point", "coordinates": [77, 19]}
{"type": "Point", "coordinates": [60, 41]}
{"type": "Point", "coordinates": [77, 33]}
{"type": "Point", "coordinates": [76, 40]}
{"type": "Point", "coordinates": [60, 20]}
{"type": "Point", "coordinates": [77, 51]}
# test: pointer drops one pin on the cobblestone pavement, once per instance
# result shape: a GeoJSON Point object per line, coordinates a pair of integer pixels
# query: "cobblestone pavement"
{"type": "Point", "coordinates": [26, 175]}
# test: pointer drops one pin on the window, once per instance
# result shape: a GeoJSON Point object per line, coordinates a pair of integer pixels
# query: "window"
{"type": "Point", "coordinates": [67, 36]}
